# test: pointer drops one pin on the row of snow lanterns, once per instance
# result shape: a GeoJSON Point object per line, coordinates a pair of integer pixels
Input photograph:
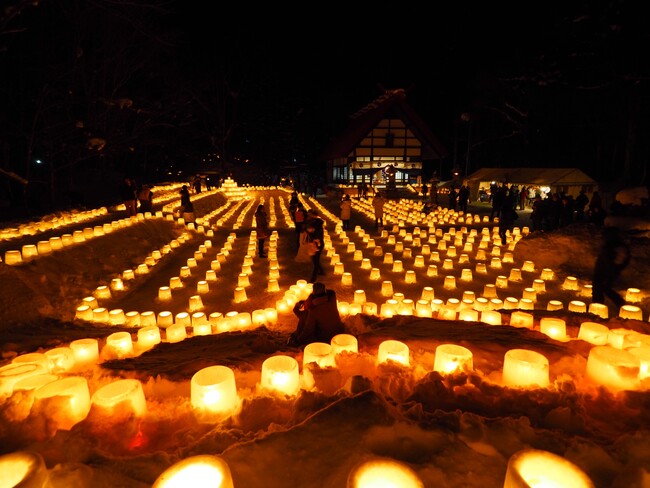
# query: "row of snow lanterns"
{"type": "Point", "coordinates": [29, 252]}
{"type": "Point", "coordinates": [63, 220]}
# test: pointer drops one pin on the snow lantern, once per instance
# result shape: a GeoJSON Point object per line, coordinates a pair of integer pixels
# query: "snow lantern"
{"type": "Point", "coordinates": [201, 471]}
{"type": "Point", "coordinates": [385, 472]}
{"type": "Point", "coordinates": [535, 468]}
{"type": "Point", "coordinates": [119, 345]}
{"type": "Point", "coordinates": [344, 343]}
{"type": "Point", "coordinates": [65, 402]}
{"type": "Point", "coordinates": [124, 397]}
{"type": "Point", "coordinates": [633, 295]}
{"type": "Point", "coordinates": [450, 358]}
{"type": "Point", "coordinates": [213, 391]}
{"type": "Point", "coordinates": [613, 368]}
{"type": "Point", "coordinates": [175, 333]}
{"type": "Point", "coordinates": [630, 312]}
{"type": "Point", "coordinates": [599, 309]}
{"type": "Point", "coordinates": [85, 352]}
{"type": "Point", "coordinates": [23, 469]}
{"type": "Point", "coordinates": [553, 327]}
{"type": "Point", "coordinates": [523, 368]}
{"type": "Point", "coordinates": [593, 333]}
{"type": "Point", "coordinates": [395, 351]}
{"type": "Point", "coordinates": [280, 374]}
{"type": "Point", "coordinates": [521, 319]}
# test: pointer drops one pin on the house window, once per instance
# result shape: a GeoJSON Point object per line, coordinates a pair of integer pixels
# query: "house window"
{"type": "Point", "coordinates": [390, 139]}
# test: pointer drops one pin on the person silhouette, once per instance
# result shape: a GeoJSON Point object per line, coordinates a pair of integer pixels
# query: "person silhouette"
{"type": "Point", "coordinates": [613, 258]}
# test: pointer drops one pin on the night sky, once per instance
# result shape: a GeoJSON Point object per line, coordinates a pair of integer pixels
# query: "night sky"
{"type": "Point", "coordinates": [163, 83]}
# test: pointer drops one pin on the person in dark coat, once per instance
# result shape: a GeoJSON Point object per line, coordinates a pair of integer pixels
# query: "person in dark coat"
{"type": "Point", "coordinates": [508, 217]}
{"type": "Point", "coordinates": [463, 198]}
{"type": "Point", "coordinates": [262, 229]}
{"type": "Point", "coordinates": [318, 317]}
{"type": "Point", "coordinates": [613, 258]}
{"type": "Point", "coordinates": [580, 203]}
{"type": "Point", "coordinates": [316, 242]}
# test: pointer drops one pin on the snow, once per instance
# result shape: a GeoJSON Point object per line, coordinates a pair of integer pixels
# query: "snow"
{"type": "Point", "coordinates": [457, 430]}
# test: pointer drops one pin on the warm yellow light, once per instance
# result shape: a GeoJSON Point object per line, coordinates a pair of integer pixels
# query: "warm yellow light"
{"type": "Point", "coordinates": [614, 368]}
{"type": "Point", "coordinates": [630, 312]}
{"type": "Point", "coordinates": [72, 397]}
{"type": "Point", "coordinates": [383, 473]}
{"type": "Point", "coordinates": [280, 374]}
{"type": "Point", "coordinates": [553, 327]}
{"type": "Point", "coordinates": [202, 471]}
{"type": "Point", "coordinates": [213, 391]}
{"type": "Point", "coordinates": [450, 358]}
{"type": "Point", "coordinates": [521, 319]}
{"type": "Point", "coordinates": [393, 351]}
{"type": "Point", "coordinates": [125, 396]}
{"type": "Point", "coordinates": [531, 468]}
{"type": "Point", "coordinates": [23, 469]}
{"type": "Point", "coordinates": [524, 368]}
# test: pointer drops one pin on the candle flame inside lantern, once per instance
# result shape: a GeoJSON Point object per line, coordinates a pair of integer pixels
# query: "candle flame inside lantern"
{"type": "Point", "coordinates": [213, 391]}
{"type": "Point", "coordinates": [524, 368]}
{"type": "Point", "coordinates": [200, 471]}
{"type": "Point", "coordinates": [451, 358]}
{"type": "Point", "coordinates": [553, 327]}
{"type": "Point", "coordinates": [23, 469]}
{"type": "Point", "coordinates": [280, 374]}
{"type": "Point", "coordinates": [383, 473]}
{"type": "Point", "coordinates": [531, 468]}
{"type": "Point", "coordinates": [395, 351]}
{"type": "Point", "coordinates": [614, 368]}
{"type": "Point", "coordinates": [124, 396]}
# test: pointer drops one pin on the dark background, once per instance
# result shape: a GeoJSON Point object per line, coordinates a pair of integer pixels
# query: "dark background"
{"type": "Point", "coordinates": [162, 89]}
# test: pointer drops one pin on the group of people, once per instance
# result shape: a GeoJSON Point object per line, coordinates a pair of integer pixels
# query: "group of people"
{"type": "Point", "coordinates": [136, 198]}
{"type": "Point", "coordinates": [560, 210]}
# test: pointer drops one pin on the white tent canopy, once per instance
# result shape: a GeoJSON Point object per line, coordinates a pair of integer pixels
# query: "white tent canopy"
{"type": "Point", "coordinates": [566, 180]}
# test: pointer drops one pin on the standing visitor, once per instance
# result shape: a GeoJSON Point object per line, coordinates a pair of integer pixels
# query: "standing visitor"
{"type": "Point", "coordinates": [425, 191]}
{"type": "Point", "coordinates": [613, 258]}
{"type": "Point", "coordinates": [580, 203]}
{"type": "Point", "coordinates": [378, 203]}
{"type": "Point", "coordinates": [187, 208]}
{"type": "Point", "coordinates": [346, 211]}
{"type": "Point", "coordinates": [262, 228]}
{"type": "Point", "coordinates": [299, 218]}
{"type": "Point", "coordinates": [145, 196]}
{"type": "Point", "coordinates": [315, 242]}
{"type": "Point", "coordinates": [453, 198]}
{"type": "Point", "coordinates": [463, 198]}
{"type": "Point", "coordinates": [128, 195]}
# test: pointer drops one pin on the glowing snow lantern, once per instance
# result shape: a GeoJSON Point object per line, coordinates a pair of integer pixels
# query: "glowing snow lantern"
{"type": "Point", "coordinates": [395, 351]}
{"type": "Point", "coordinates": [117, 284]}
{"type": "Point", "coordinates": [196, 304]}
{"type": "Point", "coordinates": [405, 307]}
{"type": "Point", "coordinates": [633, 295]}
{"type": "Point", "coordinates": [614, 368]}
{"type": "Point", "coordinates": [553, 327]}
{"type": "Point", "coordinates": [428, 293]}
{"type": "Point", "coordinates": [280, 374]}
{"type": "Point", "coordinates": [432, 270]}
{"type": "Point", "coordinates": [570, 283]}
{"type": "Point", "coordinates": [528, 266]}
{"type": "Point", "coordinates": [593, 333]}
{"type": "Point", "coordinates": [383, 472]}
{"type": "Point", "coordinates": [13, 258]}
{"type": "Point", "coordinates": [539, 286]}
{"type": "Point", "coordinates": [116, 317]}
{"type": "Point", "coordinates": [491, 317]}
{"type": "Point", "coordinates": [85, 352]}
{"type": "Point", "coordinates": [389, 308]}
{"type": "Point", "coordinates": [165, 319]}
{"type": "Point", "coordinates": [375, 274]}
{"type": "Point", "coordinates": [397, 266]}
{"type": "Point", "coordinates": [119, 344]}
{"type": "Point", "coordinates": [481, 268]}
{"type": "Point", "coordinates": [387, 288]}
{"type": "Point", "coordinates": [64, 402]}
{"type": "Point", "coordinates": [523, 368]}
{"type": "Point", "coordinates": [175, 333]}
{"type": "Point", "coordinates": [409, 276]}
{"type": "Point", "coordinates": [599, 309]}
{"type": "Point", "coordinates": [532, 468]}
{"type": "Point", "coordinates": [120, 398]}
{"type": "Point", "coordinates": [100, 315]}
{"type": "Point", "coordinates": [529, 293]}
{"type": "Point", "coordinates": [630, 312]}
{"type": "Point", "coordinates": [84, 312]}
{"type": "Point", "coordinates": [515, 274]}
{"type": "Point", "coordinates": [213, 391]}
{"type": "Point", "coordinates": [388, 258]}
{"type": "Point", "coordinates": [132, 318]}
{"type": "Point", "coordinates": [449, 283]}
{"type": "Point", "coordinates": [553, 305]}
{"type": "Point", "coordinates": [23, 469]}
{"type": "Point", "coordinates": [577, 306]}
{"type": "Point", "coordinates": [274, 272]}
{"type": "Point", "coordinates": [12, 373]}
{"type": "Point", "coordinates": [60, 360]}
{"type": "Point", "coordinates": [451, 358]}
{"type": "Point", "coordinates": [344, 343]}
{"type": "Point", "coordinates": [359, 296]}
{"type": "Point", "coordinates": [148, 318]}
{"type": "Point", "coordinates": [501, 282]}
{"type": "Point", "coordinates": [202, 471]}
{"type": "Point", "coordinates": [510, 303]}
{"type": "Point", "coordinates": [423, 308]}
{"type": "Point", "coordinates": [521, 319]}
{"type": "Point", "coordinates": [148, 337]}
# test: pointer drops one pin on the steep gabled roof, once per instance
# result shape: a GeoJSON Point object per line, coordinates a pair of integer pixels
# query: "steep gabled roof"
{"type": "Point", "coordinates": [391, 103]}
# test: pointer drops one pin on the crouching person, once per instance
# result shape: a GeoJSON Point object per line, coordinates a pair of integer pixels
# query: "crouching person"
{"type": "Point", "coordinates": [318, 317]}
